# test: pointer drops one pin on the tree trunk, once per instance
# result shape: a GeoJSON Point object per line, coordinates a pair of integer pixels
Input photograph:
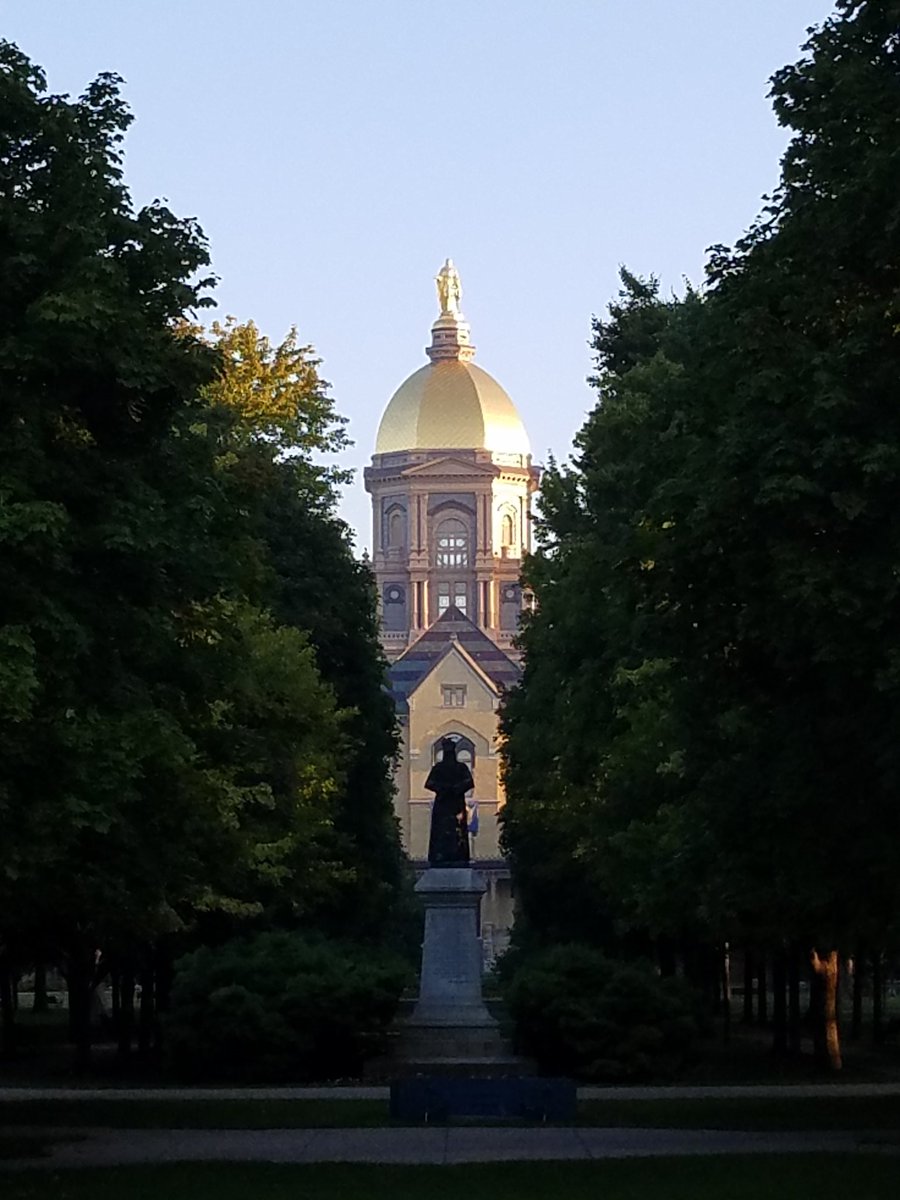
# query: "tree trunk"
{"type": "Point", "coordinates": [762, 1002]}
{"type": "Point", "coordinates": [80, 981]}
{"type": "Point", "coordinates": [164, 975]}
{"type": "Point", "coordinates": [125, 1027]}
{"type": "Point", "coordinates": [40, 1004]}
{"type": "Point", "coordinates": [8, 1015]}
{"type": "Point", "coordinates": [828, 1042]}
{"type": "Point", "coordinates": [115, 989]}
{"type": "Point", "coordinates": [749, 972]}
{"type": "Point", "coordinates": [711, 976]}
{"type": "Point", "coordinates": [859, 958]}
{"type": "Point", "coordinates": [877, 999]}
{"type": "Point", "coordinates": [145, 1025]}
{"type": "Point", "coordinates": [726, 994]}
{"type": "Point", "coordinates": [779, 1002]}
{"type": "Point", "coordinates": [795, 1035]}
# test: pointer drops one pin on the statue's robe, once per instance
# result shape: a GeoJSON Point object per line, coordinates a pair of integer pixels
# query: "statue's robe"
{"type": "Point", "coordinates": [448, 845]}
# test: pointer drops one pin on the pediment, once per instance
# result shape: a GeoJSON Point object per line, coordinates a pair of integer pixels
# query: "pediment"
{"type": "Point", "coordinates": [454, 650]}
{"type": "Point", "coordinates": [441, 468]}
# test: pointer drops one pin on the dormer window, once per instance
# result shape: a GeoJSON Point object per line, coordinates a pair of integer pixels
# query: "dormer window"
{"type": "Point", "coordinates": [453, 695]}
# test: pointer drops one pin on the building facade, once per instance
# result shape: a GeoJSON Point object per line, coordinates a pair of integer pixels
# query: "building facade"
{"type": "Point", "coordinates": [451, 482]}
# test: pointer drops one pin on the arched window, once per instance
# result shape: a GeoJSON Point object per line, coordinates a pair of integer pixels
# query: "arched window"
{"type": "Point", "coordinates": [395, 529]}
{"type": "Point", "coordinates": [465, 750]}
{"type": "Point", "coordinates": [452, 544]}
{"type": "Point", "coordinates": [507, 531]}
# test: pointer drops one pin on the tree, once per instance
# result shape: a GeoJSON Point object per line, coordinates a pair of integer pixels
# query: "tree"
{"type": "Point", "coordinates": [596, 692]}
{"type": "Point", "coordinates": [92, 383]}
{"type": "Point", "coordinates": [726, 544]}
{"type": "Point", "coordinates": [279, 422]}
{"type": "Point", "coordinates": [169, 746]}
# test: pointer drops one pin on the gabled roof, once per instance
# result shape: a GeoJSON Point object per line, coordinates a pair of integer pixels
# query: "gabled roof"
{"type": "Point", "coordinates": [451, 627]}
{"type": "Point", "coordinates": [456, 648]}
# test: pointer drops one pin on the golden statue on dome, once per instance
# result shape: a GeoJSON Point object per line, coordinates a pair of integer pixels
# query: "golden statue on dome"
{"type": "Point", "coordinates": [449, 289]}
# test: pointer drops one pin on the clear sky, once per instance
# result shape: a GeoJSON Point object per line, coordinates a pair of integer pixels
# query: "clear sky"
{"type": "Point", "coordinates": [336, 151]}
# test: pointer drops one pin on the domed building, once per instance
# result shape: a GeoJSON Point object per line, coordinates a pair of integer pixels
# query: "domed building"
{"type": "Point", "coordinates": [451, 482]}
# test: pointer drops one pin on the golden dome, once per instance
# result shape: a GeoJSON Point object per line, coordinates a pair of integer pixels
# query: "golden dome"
{"type": "Point", "coordinates": [451, 404]}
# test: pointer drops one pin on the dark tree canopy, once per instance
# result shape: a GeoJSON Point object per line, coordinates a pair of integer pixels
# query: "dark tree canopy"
{"type": "Point", "coordinates": [705, 742]}
{"type": "Point", "coordinates": [191, 716]}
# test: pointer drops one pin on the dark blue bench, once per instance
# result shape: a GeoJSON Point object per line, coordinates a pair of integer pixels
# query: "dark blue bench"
{"type": "Point", "coordinates": [438, 1098]}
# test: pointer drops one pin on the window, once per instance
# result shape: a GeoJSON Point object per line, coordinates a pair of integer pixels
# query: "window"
{"type": "Point", "coordinates": [452, 593]}
{"type": "Point", "coordinates": [395, 529]}
{"type": "Point", "coordinates": [453, 695]}
{"type": "Point", "coordinates": [465, 750]}
{"type": "Point", "coordinates": [507, 532]}
{"type": "Point", "coordinates": [452, 544]}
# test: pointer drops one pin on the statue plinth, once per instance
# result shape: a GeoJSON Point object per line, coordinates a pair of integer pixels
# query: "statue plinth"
{"type": "Point", "coordinates": [450, 339]}
{"type": "Point", "coordinates": [450, 987]}
{"type": "Point", "coordinates": [450, 1023]}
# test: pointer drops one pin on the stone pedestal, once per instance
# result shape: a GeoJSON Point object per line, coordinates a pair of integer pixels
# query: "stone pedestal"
{"type": "Point", "coordinates": [450, 1023]}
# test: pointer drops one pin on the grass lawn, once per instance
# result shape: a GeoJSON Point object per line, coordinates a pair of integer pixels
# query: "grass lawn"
{"type": "Point", "coordinates": [114, 1114]}
{"type": "Point", "coordinates": [847, 1112]}
{"type": "Point", "coordinates": [197, 1114]}
{"type": "Point", "coordinates": [782, 1112]}
{"type": "Point", "coordinates": [827, 1177]}
{"type": "Point", "coordinates": [28, 1145]}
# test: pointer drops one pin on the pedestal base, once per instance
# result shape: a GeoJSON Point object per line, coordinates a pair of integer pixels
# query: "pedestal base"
{"type": "Point", "coordinates": [450, 983]}
{"type": "Point", "coordinates": [423, 1043]}
{"type": "Point", "coordinates": [450, 1027]}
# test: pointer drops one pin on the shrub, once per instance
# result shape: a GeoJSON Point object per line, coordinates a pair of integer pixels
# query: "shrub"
{"type": "Point", "coordinates": [578, 1013]}
{"type": "Point", "coordinates": [279, 1006]}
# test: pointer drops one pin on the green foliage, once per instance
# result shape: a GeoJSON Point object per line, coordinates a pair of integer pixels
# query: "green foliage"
{"type": "Point", "coordinates": [578, 1013]}
{"type": "Point", "coordinates": [281, 1006]}
{"type": "Point", "coordinates": [323, 589]}
{"type": "Point", "coordinates": [278, 422]}
{"type": "Point", "coordinates": [192, 731]}
{"type": "Point", "coordinates": [708, 717]}
{"type": "Point", "coordinates": [105, 521]}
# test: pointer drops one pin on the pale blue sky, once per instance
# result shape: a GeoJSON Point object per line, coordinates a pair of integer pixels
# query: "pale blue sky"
{"type": "Point", "coordinates": [336, 151]}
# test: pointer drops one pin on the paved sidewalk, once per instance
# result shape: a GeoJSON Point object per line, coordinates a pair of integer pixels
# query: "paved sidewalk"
{"type": "Point", "coordinates": [364, 1092]}
{"type": "Point", "coordinates": [106, 1147]}
{"type": "Point", "coordinates": [456, 1144]}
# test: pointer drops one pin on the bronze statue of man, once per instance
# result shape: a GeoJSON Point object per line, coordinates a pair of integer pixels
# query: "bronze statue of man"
{"type": "Point", "coordinates": [450, 780]}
